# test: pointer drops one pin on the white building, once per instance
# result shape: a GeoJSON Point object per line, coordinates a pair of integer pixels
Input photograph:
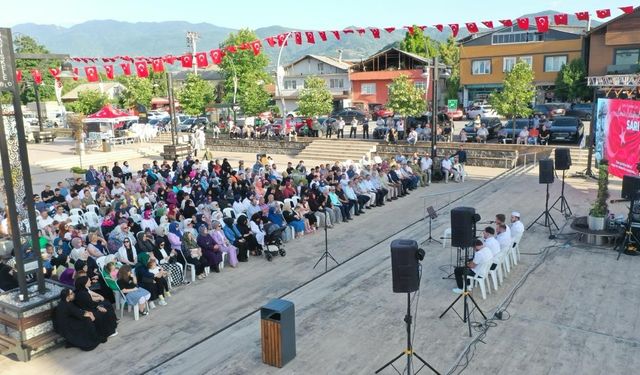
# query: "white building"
{"type": "Point", "coordinates": [334, 71]}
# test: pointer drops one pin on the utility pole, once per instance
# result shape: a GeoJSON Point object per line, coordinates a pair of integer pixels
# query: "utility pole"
{"type": "Point", "coordinates": [192, 42]}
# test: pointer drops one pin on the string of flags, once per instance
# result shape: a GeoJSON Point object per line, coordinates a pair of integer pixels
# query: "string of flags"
{"type": "Point", "coordinates": [204, 59]}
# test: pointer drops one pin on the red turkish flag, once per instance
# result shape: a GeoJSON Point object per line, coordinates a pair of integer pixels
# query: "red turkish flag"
{"type": "Point", "coordinates": [298, 37]}
{"type": "Point", "coordinates": [472, 27]}
{"type": "Point", "coordinates": [361, 31]}
{"type": "Point", "coordinates": [336, 34]}
{"type": "Point", "coordinates": [157, 65]}
{"type": "Point", "coordinates": [19, 76]}
{"type": "Point", "coordinates": [627, 9]}
{"type": "Point", "coordinates": [271, 41]}
{"type": "Point", "coordinates": [439, 27]}
{"type": "Point", "coordinates": [92, 73]}
{"type": "Point", "coordinates": [282, 40]}
{"type": "Point", "coordinates": [233, 49]}
{"type": "Point", "coordinates": [561, 19]}
{"type": "Point", "coordinates": [37, 76]}
{"type": "Point", "coordinates": [323, 35]}
{"type": "Point", "coordinates": [506, 23]}
{"type": "Point", "coordinates": [390, 29]}
{"type": "Point", "coordinates": [186, 60]}
{"type": "Point", "coordinates": [142, 69]}
{"type": "Point", "coordinates": [603, 13]}
{"type": "Point", "coordinates": [76, 72]}
{"type": "Point", "coordinates": [256, 46]}
{"type": "Point", "coordinates": [488, 24]}
{"type": "Point", "coordinates": [348, 31]}
{"type": "Point", "coordinates": [311, 39]}
{"type": "Point", "coordinates": [110, 71]}
{"type": "Point", "coordinates": [582, 16]}
{"type": "Point", "coordinates": [169, 59]}
{"type": "Point", "coordinates": [54, 72]}
{"type": "Point", "coordinates": [375, 32]}
{"type": "Point", "coordinates": [216, 56]}
{"type": "Point", "coordinates": [542, 23]}
{"type": "Point", "coordinates": [454, 29]}
{"type": "Point", "coordinates": [523, 23]}
{"type": "Point", "coordinates": [410, 29]}
{"type": "Point", "coordinates": [201, 60]}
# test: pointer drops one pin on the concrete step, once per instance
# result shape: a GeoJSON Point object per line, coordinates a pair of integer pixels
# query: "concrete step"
{"type": "Point", "coordinates": [328, 157]}
{"type": "Point", "coordinates": [97, 159]}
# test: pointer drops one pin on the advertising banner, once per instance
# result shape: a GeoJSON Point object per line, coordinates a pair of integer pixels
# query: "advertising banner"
{"type": "Point", "coordinates": [618, 135]}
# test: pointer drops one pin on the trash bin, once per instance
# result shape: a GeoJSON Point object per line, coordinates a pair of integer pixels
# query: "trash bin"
{"type": "Point", "coordinates": [278, 332]}
{"type": "Point", "coordinates": [106, 145]}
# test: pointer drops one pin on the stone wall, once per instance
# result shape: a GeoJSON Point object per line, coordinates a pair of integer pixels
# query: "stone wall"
{"type": "Point", "coordinates": [256, 145]}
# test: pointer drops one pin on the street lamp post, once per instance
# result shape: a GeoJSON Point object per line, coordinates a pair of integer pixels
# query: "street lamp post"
{"type": "Point", "coordinates": [36, 92]}
{"type": "Point", "coordinates": [433, 77]}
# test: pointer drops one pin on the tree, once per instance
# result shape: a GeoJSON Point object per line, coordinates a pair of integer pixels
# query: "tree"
{"type": "Point", "coordinates": [248, 71]}
{"type": "Point", "coordinates": [90, 101]}
{"type": "Point", "coordinates": [136, 91]}
{"type": "Point", "coordinates": [571, 82]}
{"type": "Point", "coordinates": [26, 44]}
{"type": "Point", "coordinates": [405, 98]}
{"type": "Point", "coordinates": [518, 93]}
{"type": "Point", "coordinates": [450, 56]}
{"type": "Point", "coordinates": [315, 98]}
{"type": "Point", "coordinates": [419, 43]}
{"type": "Point", "coordinates": [195, 95]}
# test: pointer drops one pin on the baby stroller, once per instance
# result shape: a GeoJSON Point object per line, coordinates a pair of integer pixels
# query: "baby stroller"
{"type": "Point", "coordinates": [273, 240]}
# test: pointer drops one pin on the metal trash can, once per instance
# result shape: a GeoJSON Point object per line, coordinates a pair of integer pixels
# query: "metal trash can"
{"type": "Point", "coordinates": [106, 145]}
{"type": "Point", "coordinates": [278, 332]}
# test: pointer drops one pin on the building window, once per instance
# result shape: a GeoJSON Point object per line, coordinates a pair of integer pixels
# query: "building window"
{"type": "Point", "coordinates": [420, 85]}
{"type": "Point", "coordinates": [554, 63]}
{"type": "Point", "coordinates": [368, 88]}
{"type": "Point", "coordinates": [516, 37]}
{"type": "Point", "coordinates": [627, 56]}
{"type": "Point", "coordinates": [479, 67]}
{"type": "Point", "coordinates": [321, 67]}
{"type": "Point", "coordinates": [336, 83]}
{"type": "Point", "coordinates": [528, 60]}
{"type": "Point", "coordinates": [508, 64]}
{"type": "Point", "coordinates": [290, 84]}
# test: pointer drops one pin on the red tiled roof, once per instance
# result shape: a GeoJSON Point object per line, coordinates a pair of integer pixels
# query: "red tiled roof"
{"type": "Point", "coordinates": [385, 75]}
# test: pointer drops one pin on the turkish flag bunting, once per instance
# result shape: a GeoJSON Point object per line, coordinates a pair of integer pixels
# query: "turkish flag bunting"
{"type": "Point", "coordinates": [361, 31]}
{"type": "Point", "coordinates": [76, 59]}
{"type": "Point", "coordinates": [439, 27]}
{"type": "Point", "coordinates": [169, 59]}
{"type": "Point", "coordinates": [561, 19]}
{"type": "Point", "coordinates": [216, 56]}
{"type": "Point", "coordinates": [76, 72]}
{"type": "Point", "coordinates": [375, 32]}
{"type": "Point", "coordinates": [37, 76]}
{"type": "Point", "coordinates": [127, 58]}
{"type": "Point", "coordinates": [454, 29]}
{"type": "Point", "coordinates": [488, 24]}
{"type": "Point", "coordinates": [245, 46]}
{"type": "Point", "coordinates": [627, 9]}
{"type": "Point", "coordinates": [110, 71]}
{"type": "Point", "coordinates": [54, 72]}
{"type": "Point", "coordinates": [311, 39]}
{"type": "Point", "coordinates": [348, 31]}
{"type": "Point", "coordinates": [410, 28]}
{"type": "Point", "coordinates": [472, 27]}
{"type": "Point", "coordinates": [157, 65]}
{"type": "Point", "coordinates": [186, 60]}
{"type": "Point", "coordinates": [323, 35]}
{"type": "Point", "coordinates": [232, 49]}
{"type": "Point", "coordinates": [92, 73]}
{"type": "Point", "coordinates": [582, 16]}
{"type": "Point", "coordinates": [201, 60]}
{"type": "Point", "coordinates": [603, 13]}
{"type": "Point", "coordinates": [390, 29]}
{"type": "Point", "coordinates": [542, 23]}
{"type": "Point", "coordinates": [336, 34]}
{"type": "Point", "coordinates": [506, 23]}
{"type": "Point", "coordinates": [271, 41]}
{"type": "Point", "coordinates": [422, 27]}
{"type": "Point", "coordinates": [523, 23]}
{"type": "Point", "coordinates": [282, 40]}
{"type": "Point", "coordinates": [19, 76]}
{"type": "Point", "coordinates": [256, 45]}
{"type": "Point", "coordinates": [142, 69]}
{"type": "Point", "coordinates": [298, 37]}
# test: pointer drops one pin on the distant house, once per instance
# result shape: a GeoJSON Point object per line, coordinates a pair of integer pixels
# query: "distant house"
{"type": "Point", "coordinates": [370, 79]}
{"type": "Point", "coordinates": [334, 72]}
{"type": "Point", "coordinates": [112, 89]}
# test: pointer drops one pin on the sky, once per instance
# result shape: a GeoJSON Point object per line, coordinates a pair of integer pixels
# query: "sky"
{"type": "Point", "coordinates": [298, 14]}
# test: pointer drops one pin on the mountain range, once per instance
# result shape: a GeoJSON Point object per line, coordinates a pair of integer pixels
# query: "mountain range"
{"type": "Point", "coordinates": [104, 38]}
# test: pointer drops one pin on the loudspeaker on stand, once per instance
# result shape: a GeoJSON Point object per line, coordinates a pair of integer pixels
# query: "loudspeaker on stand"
{"type": "Point", "coordinates": [546, 171]}
{"type": "Point", "coordinates": [405, 258]}
{"type": "Point", "coordinates": [462, 226]}
{"type": "Point", "coordinates": [562, 159]}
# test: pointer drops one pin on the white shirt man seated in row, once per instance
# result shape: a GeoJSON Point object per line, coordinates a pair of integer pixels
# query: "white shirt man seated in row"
{"type": "Point", "coordinates": [503, 237]}
{"type": "Point", "coordinates": [448, 170]}
{"type": "Point", "coordinates": [517, 228]}
{"type": "Point", "coordinates": [492, 244]}
{"type": "Point", "coordinates": [481, 257]}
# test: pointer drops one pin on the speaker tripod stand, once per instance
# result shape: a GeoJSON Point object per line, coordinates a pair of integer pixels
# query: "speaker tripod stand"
{"type": "Point", "coordinates": [466, 296]}
{"type": "Point", "coordinates": [564, 204]}
{"type": "Point", "coordinates": [409, 350]}
{"type": "Point", "coordinates": [629, 237]}
{"type": "Point", "coordinates": [326, 255]}
{"type": "Point", "coordinates": [548, 219]}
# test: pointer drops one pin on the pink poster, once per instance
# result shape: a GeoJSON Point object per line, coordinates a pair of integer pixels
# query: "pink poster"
{"type": "Point", "coordinates": [622, 148]}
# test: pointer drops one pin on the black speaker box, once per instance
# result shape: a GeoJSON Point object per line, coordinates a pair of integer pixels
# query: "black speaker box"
{"type": "Point", "coordinates": [546, 171]}
{"type": "Point", "coordinates": [563, 159]}
{"type": "Point", "coordinates": [630, 185]}
{"type": "Point", "coordinates": [404, 266]}
{"type": "Point", "coordinates": [462, 226]}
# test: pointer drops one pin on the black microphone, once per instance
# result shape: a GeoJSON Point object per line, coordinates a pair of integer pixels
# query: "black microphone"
{"type": "Point", "coordinates": [487, 222]}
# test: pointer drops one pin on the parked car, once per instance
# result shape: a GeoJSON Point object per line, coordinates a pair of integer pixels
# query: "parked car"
{"type": "Point", "coordinates": [381, 111]}
{"type": "Point", "coordinates": [185, 125]}
{"type": "Point", "coordinates": [505, 135]}
{"type": "Point", "coordinates": [566, 128]}
{"type": "Point", "coordinates": [583, 111]}
{"type": "Point", "coordinates": [483, 110]}
{"type": "Point", "coordinates": [455, 115]}
{"type": "Point", "coordinates": [349, 115]}
{"type": "Point", "coordinates": [549, 110]}
{"type": "Point", "coordinates": [493, 124]}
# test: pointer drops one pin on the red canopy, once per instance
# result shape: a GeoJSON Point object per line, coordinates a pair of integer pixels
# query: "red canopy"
{"type": "Point", "coordinates": [109, 114]}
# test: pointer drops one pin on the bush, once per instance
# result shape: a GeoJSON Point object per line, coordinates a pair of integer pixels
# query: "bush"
{"type": "Point", "coordinates": [78, 170]}
{"type": "Point", "coordinates": [599, 207]}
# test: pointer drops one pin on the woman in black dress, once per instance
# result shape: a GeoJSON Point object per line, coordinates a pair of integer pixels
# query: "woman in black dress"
{"type": "Point", "coordinates": [105, 318]}
{"type": "Point", "coordinates": [77, 326]}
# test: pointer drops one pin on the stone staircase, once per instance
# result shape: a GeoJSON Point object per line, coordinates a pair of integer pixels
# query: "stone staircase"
{"type": "Point", "coordinates": [580, 157]}
{"type": "Point", "coordinates": [330, 150]}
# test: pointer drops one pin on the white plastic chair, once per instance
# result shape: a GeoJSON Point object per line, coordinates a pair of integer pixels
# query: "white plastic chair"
{"type": "Point", "coordinates": [229, 212]}
{"type": "Point", "coordinates": [291, 202]}
{"type": "Point", "coordinates": [446, 236]}
{"type": "Point", "coordinates": [92, 219]}
{"type": "Point", "coordinates": [76, 219]}
{"type": "Point", "coordinates": [76, 211]}
{"type": "Point", "coordinates": [494, 273]}
{"type": "Point", "coordinates": [295, 199]}
{"type": "Point", "coordinates": [481, 279]}
{"type": "Point", "coordinates": [93, 208]}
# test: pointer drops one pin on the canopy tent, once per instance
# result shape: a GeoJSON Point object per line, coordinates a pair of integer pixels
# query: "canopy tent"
{"type": "Point", "coordinates": [110, 115]}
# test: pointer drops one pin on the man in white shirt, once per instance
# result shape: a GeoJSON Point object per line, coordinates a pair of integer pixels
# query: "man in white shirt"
{"type": "Point", "coordinates": [354, 128]}
{"type": "Point", "coordinates": [501, 219]}
{"type": "Point", "coordinates": [481, 257]}
{"type": "Point", "coordinates": [447, 169]}
{"type": "Point", "coordinates": [341, 125]}
{"type": "Point", "coordinates": [44, 220]}
{"type": "Point", "coordinates": [425, 165]}
{"type": "Point", "coordinates": [482, 134]}
{"type": "Point", "coordinates": [517, 228]}
{"type": "Point", "coordinates": [117, 189]}
{"type": "Point", "coordinates": [491, 243]}
{"type": "Point", "coordinates": [60, 215]}
{"type": "Point", "coordinates": [503, 238]}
